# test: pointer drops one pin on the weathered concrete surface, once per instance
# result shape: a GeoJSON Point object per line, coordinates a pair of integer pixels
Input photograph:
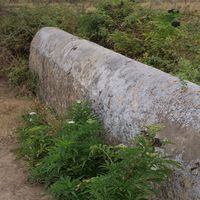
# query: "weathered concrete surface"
{"type": "Point", "coordinates": [128, 95]}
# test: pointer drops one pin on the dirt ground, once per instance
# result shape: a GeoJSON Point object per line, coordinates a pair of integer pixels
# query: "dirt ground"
{"type": "Point", "coordinates": [13, 172]}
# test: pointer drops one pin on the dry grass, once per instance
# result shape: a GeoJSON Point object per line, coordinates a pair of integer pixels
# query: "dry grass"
{"type": "Point", "coordinates": [86, 5]}
{"type": "Point", "coordinates": [184, 6]}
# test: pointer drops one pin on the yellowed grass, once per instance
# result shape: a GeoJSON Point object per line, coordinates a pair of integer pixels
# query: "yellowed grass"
{"type": "Point", "coordinates": [86, 5]}
{"type": "Point", "coordinates": [182, 6]}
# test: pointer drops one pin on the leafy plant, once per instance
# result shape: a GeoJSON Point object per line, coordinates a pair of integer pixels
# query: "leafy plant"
{"type": "Point", "coordinates": [75, 163]}
{"type": "Point", "coordinates": [66, 188]}
{"type": "Point", "coordinates": [70, 154]}
{"type": "Point", "coordinates": [146, 35]}
{"type": "Point", "coordinates": [81, 112]}
{"type": "Point", "coordinates": [17, 29]}
{"type": "Point", "coordinates": [134, 173]}
{"type": "Point", "coordinates": [20, 76]}
{"type": "Point", "coordinates": [188, 71]}
{"type": "Point", "coordinates": [35, 143]}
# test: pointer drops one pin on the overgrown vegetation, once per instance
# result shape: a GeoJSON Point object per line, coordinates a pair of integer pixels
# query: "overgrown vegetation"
{"type": "Point", "coordinates": [123, 25]}
{"type": "Point", "coordinates": [16, 32]}
{"type": "Point", "coordinates": [74, 162]}
{"type": "Point", "coordinates": [147, 35]}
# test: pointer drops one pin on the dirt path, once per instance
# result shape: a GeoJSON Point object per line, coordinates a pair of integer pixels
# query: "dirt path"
{"type": "Point", "coordinates": [13, 174]}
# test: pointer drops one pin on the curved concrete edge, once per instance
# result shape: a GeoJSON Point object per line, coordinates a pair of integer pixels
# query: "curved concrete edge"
{"type": "Point", "coordinates": [128, 95]}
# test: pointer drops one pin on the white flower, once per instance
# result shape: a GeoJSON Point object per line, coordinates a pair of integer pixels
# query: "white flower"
{"type": "Point", "coordinates": [30, 120]}
{"type": "Point", "coordinates": [122, 146]}
{"type": "Point", "coordinates": [154, 168]}
{"type": "Point", "coordinates": [32, 113]}
{"type": "Point", "coordinates": [78, 101]}
{"type": "Point", "coordinates": [151, 154]}
{"type": "Point", "coordinates": [71, 122]}
{"type": "Point", "coordinates": [91, 121]}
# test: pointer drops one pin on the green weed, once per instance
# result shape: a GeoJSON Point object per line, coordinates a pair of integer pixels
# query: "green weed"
{"type": "Point", "coordinates": [19, 75]}
{"type": "Point", "coordinates": [146, 35]}
{"type": "Point", "coordinates": [122, 25]}
{"type": "Point", "coordinates": [75, 162]}
{"type": "Point", "coordinates": [17, 29]}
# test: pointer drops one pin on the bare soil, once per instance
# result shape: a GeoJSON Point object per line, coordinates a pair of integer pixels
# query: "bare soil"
{"type": "Point", "coordinates": [14, 183]}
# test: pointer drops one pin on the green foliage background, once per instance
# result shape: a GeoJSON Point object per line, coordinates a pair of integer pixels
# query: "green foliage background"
{"type": "Point", "coordinates": [147, 35]}
{"type": "Point", "coordinates": [72, 160]}
{"type": "Point", "coordinates": [75, 163]}
{"type": "Point", "coordinates": [122, 25]}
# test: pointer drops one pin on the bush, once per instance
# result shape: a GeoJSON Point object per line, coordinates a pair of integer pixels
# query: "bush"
{"type": "Point", "coordinates": [75, 163]}
{"type": "Point", "coordinates": [122, 25]}
{"type": "Point", "coordinates": [70, 155]}
{"type": "Point", "coordinates": [17, 29]}
{"type": "Point", "coordinates": [66, 188]}
{"type": "Point", "coordinates": [135, 173]}
{"type": "Point", "coordinates": [188, 71]}
{"type": "Point", "coordinates": [125, 43]}
{"type": "Point", "coordinates": [35, 143]}
{"type": "Point", "coordinates": [146, 35]}
{"type": "Point", "coordinates": [20, 76]}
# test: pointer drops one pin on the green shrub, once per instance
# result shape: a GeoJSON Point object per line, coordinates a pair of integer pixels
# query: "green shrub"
{"type": "Point", "coordinates": [98, 25]}
{"type": "Point", "coordinates": [81, 112]}
{"type": "Point", "coordinates": [122, 25]}
{"type": "Point", "coordinates": [69, 156]}
{"type": "Point", "coordinates": [66, 188]}
{"type": "Point", "coordinates": [70, 146]}
{"type": "Point", "coordinates": [76, 164]}
{"type": "Point", "coordinates": [134, 173]}
{"type": "Point", "coordinates": [35, 119]}
{"type": "Point", "coordinates": [188, 71]}
{"type": "Point", "coordinates": [125, 43]}
{"type": "Point", "coordinates": [20, 76]}
{"type": "Point", "coordinates": [19, 27]}
{"type": "Point", "coordinates": [146, 35]}
{"type": "Point", "coordinates": [16, 33]}
{"type": "Point", "coordinates": [35, 143]}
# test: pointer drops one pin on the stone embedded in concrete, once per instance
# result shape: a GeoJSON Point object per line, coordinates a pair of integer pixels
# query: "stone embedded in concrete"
{"type": "Point", "coordinates": [128, 95]}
